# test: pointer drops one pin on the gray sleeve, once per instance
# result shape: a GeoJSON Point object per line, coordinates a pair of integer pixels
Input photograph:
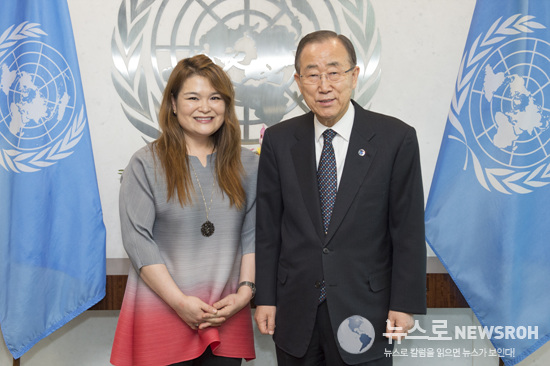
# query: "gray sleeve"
{"type": "Point", "coordinates": [248, 232]}
{"type": "Point", "coordinates": [137, 211]}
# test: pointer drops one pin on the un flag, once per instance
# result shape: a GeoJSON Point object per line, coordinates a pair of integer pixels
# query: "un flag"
{"type": "Point", "coordinates": [486, 216]}
{"type": "Point", "coordinates": [52, 237]}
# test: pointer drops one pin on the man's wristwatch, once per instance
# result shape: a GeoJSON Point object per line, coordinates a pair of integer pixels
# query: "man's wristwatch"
{"type": "Point", "coordinates": [249, 284]}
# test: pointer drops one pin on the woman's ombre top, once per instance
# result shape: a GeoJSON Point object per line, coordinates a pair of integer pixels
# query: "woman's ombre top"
{"type": "Point", "coordinates": [155, 231]}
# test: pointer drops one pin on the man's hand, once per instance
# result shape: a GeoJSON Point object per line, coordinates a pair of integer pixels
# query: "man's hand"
{"type": "Point", "coordinates": [265, 319]}
{"type": "Point", "coordinates": [398, 324]}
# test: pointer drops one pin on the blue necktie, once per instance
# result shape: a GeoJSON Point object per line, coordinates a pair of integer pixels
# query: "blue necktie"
{"type": "Point", "coordinates": [327, 180]}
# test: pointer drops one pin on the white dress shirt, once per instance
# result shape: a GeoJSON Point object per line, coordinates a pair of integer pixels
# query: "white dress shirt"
{"type": "Point", "coordinates": [340, 142]}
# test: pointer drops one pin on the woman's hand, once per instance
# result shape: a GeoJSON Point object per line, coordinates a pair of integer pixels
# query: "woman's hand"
{"type": "Point", "coordinates": [196, 313]}
{"type": "Point", "coordinates": [192, 310]}
{"type": "Point", "coordinates": [228, 306]}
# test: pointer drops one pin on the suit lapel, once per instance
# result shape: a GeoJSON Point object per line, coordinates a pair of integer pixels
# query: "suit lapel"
{"type": "Point", "coordinates": [303, 156]}
{"type": "Point", "coordinates": [355, 169]}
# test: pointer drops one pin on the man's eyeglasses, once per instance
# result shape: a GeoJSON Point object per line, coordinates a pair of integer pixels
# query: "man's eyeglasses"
{"type": "Point", "coordinates": [333, 76]}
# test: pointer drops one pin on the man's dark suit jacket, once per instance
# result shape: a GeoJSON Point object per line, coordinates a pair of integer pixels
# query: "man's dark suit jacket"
{"type": "Point", "coordinates": [373, 258]}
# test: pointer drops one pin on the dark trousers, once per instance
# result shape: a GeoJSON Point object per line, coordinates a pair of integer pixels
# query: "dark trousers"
{"type": "Point", "coordinates": [322, 350]}
{"type": "Point", "coordinates": [209, 359]}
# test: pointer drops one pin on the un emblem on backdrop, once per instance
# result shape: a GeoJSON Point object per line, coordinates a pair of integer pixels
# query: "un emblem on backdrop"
{"type": "Point", "coordinates": [254, 42]}
{"type": "Point", "coordinates": [37, 102]}
{"type": "Point", "coordinates": [503, 91]}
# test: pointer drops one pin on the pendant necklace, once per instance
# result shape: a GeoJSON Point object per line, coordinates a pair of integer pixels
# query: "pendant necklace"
{"type": "Point", "coordinates": [207, 228]}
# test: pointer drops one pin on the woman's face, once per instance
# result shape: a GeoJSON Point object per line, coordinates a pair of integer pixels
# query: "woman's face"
{"type": "Point", "coordinates": [200, 109]}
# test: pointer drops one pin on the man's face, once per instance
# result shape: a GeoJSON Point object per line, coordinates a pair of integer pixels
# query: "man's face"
{"type": "Point", "coordinates": [327, 99]}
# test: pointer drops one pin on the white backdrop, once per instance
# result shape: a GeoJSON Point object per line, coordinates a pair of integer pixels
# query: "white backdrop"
{"type": "Point", "coordinates": [422, 43]}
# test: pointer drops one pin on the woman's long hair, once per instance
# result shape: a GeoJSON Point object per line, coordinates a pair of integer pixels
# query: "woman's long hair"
{"type": "Point", "coordinates": [170, 147]}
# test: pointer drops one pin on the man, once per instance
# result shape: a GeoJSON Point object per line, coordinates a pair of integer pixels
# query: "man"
{"type": "Point", "coordinates": [340, 220]}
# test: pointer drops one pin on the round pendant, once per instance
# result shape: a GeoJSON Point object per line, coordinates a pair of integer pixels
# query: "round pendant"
{"type": "Point", "coordinates": [207, 229]}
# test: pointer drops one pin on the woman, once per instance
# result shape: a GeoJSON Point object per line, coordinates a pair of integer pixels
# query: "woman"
{"type": "Point", "coordinates": [187, 210]}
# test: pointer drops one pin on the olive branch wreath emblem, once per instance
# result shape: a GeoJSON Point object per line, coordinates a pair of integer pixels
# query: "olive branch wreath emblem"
{"type": "Point", "coordinates": [506, 181]}
{"type": "Point", "coordinates": [19, 161]}
{"type": "Point", "coordinates": [367, 45]}
{"type": "Point", "coordinates": [126, 49]}
{"type": "Point", "coordinates": [141, 106]}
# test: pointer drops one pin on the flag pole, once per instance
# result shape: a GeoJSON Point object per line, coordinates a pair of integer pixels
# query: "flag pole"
{"type": "Point", "coordinates": [16, 362]}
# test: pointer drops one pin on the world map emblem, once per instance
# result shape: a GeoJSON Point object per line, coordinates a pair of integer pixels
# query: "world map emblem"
{"type": "Point", "coordinates": [500, 108]}
{"type": "Point", "coordinates": [39, 121]}
{"type": "Point", "coordinates": [355, 334]}
{"type": "Point", "coordinates": [253, 41]}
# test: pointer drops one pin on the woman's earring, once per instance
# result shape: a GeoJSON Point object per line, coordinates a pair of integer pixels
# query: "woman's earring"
{"type": "Point", "coordinates": [174, 113]}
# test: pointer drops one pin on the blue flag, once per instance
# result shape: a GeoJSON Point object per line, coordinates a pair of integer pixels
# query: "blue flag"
{"type": "Point", "coordinates": [52, 237]}
{"type": "Point", "coordinates": [487, 212]}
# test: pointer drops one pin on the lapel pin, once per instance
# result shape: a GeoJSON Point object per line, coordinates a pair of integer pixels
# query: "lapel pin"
{"type": "Point", "coordinates": [361, 152]}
